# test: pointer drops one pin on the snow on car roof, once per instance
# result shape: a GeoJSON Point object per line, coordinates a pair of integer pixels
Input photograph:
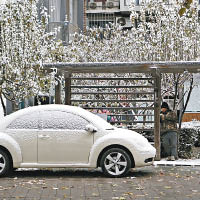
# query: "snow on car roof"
{"type": "Point", "coordinates": [72, 109]}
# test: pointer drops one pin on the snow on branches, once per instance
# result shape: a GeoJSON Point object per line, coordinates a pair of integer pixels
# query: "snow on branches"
{"type": "Point", "coordinates": [166, 35]}
{"type": "Point", "coordinates": [24, 47]}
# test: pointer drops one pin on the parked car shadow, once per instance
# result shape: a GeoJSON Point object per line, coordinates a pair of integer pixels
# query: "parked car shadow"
{"type": "Point", "coordinates": [77, 173]}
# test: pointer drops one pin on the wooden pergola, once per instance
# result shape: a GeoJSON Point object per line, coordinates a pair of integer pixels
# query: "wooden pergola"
{"type": "Point", "coordinates": [154, 68]}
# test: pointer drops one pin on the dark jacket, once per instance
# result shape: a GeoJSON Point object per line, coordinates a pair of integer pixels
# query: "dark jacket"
{"type": "Point", "coordinates": [168, 121]}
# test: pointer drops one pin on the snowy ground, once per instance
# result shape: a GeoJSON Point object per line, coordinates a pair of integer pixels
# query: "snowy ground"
{"type": "Point", "coordinates": [180, 162]}
{"type": "Point", "coordinates": [192, 124]}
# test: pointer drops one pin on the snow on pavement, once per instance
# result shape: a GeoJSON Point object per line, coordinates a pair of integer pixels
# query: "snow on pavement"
{"type": "Point", "coordinates": [179, 162]}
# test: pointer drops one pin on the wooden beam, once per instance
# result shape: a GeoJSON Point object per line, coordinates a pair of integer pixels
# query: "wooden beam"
{"type": "Point", "coordinates": [118, 108]}
{"type": "Point", "coordinates": [124, 67]}
{"type": "Point", "coordinates": [112, 100]}
{"type": "Point", "coordinates": [67, 88]}
{"type": "Point", "coordinates": [111, 86]}
{"type": "Point", "coordinates": [132, 122]}
{"type": "Point", "coordinates": [113, 93]}
{"type": "Point", "coordinates": [111, 78]}
{"type": "Point", "coordinates": [157, 105]}
{"type": "Point", "coordinates": [58, 93]}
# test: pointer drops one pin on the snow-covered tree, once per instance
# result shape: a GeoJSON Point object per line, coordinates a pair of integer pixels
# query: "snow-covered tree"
{"type": "Point", "coordinates": [159, 34]}
{"type": "Point", "coordinates": [24, 46]}
{"type": "Point", "coordinates": [162, 31]}
{"type": "Point", "coordinates": [169, 31]}
{"type": "Point", "coordinates": [166, 35]}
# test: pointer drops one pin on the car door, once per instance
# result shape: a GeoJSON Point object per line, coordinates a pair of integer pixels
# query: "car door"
{"type": "Point", "coordinates": [24, 130]}
{"type": "Point", "coordinates": [63, 139]}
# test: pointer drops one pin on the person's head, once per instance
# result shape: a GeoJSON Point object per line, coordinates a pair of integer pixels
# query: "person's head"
{"type": "Point", "coordinates": [164, 107]}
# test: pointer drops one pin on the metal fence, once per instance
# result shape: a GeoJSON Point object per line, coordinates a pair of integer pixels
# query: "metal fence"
{"type": "Point", "coordinates": [121, 99]}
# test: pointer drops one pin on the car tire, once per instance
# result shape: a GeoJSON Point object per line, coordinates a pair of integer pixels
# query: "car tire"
{"type": "Point", "coordinates": [5, 164]}
{"type": "Point", "coordinates": [115, 162]}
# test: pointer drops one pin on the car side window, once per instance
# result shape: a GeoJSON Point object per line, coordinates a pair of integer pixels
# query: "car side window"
{"type": "Point", "coordinates": [62, 120]}
{"type": "Point", "coordinates": [27, 121]}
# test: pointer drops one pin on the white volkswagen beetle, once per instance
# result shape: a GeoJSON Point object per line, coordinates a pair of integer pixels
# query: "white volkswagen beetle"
{"type": "Point", "coordinates": [67, 136]}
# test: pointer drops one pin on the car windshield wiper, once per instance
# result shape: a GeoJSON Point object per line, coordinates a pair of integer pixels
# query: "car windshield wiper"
{"type": "Point", "coordinates": [108, 129]}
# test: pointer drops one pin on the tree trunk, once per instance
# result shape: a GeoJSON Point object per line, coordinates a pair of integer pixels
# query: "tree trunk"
{"type": "Point", "coordinates": [176, 90]}
{"type": "Point", "coordinates": [186, 103]}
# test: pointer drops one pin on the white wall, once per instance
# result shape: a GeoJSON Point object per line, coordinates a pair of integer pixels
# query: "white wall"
{"type": "Point", "coordinates": [194, 102]}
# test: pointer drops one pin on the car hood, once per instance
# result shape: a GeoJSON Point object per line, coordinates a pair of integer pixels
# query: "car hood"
{"type": "Point", "coordinates": [125, 133]}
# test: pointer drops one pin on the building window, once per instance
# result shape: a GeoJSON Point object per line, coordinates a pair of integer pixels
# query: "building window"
{"type": "Point", "coordinates": [28, 121]}
{"type": "Point", "coordinates": [127, 2]}
{"type": "Point", "coordinates": [62, 120]}
{"type": "Point", "coordinates": [100, 19]}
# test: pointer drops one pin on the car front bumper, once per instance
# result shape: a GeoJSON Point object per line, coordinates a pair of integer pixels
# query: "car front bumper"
{"type": "Point", "coordinates": [144, 158]}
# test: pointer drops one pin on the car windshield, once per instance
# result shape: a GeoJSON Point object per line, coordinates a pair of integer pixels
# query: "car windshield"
{"type": "Point", "coordinates": [102, 123]}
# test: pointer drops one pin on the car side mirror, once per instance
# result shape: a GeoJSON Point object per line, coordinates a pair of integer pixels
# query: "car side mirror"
{"type": "Point", "coordinates": [90, 128]}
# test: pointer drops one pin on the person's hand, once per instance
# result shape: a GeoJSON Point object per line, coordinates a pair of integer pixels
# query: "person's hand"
{"type": "Point", "coordinates": [162, 117]}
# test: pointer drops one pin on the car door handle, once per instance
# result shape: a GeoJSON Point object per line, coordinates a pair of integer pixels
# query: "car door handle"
{"type": "Point", "coordinates": [44, 136]}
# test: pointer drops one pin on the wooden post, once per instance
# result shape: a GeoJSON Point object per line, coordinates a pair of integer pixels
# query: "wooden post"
{"type": "Point", "coordinates": [58, 93]}
{"type": "Point", "coordinates": [67, 88]}
{"type": "Point", "coordinates": [157, 97]}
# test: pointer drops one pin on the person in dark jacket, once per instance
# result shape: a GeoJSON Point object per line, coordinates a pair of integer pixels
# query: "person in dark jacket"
{"type": "Point", "coordinates": [168, 119]}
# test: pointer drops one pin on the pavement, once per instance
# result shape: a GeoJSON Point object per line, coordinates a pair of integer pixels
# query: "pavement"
{"type": "Point", "coordinates": [152, 182]}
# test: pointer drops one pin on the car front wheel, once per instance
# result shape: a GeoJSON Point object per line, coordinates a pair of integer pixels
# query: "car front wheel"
{"type": "Point", "coordinates": [5, 164]}
{"type": "Point", "coordinates": [115, 162]}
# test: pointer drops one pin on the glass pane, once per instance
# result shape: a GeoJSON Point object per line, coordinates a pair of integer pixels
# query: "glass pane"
{"type": "Point", "coordinates": [62, 120]}
{"type": "Point", "coordinates": [28, 121]}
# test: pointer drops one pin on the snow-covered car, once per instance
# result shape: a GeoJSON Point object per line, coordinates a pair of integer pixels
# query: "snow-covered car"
{"type": "Point", "coordinates": [51, 136]}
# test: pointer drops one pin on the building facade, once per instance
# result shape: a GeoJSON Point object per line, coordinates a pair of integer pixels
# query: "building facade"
{"type": "Point", "coordinates": [102, 12]}
{"type": "Point", "coordinates": [65, 15]}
